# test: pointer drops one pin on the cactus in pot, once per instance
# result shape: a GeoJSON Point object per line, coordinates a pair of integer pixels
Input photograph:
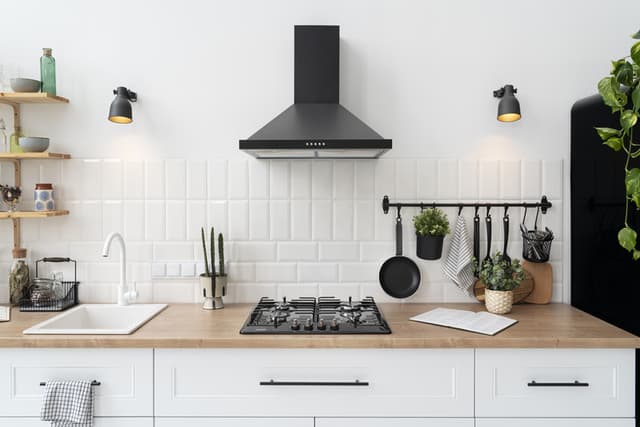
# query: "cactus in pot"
{"type": "Point", "coordinates": [213, 285]}
{"type": "Point", "coordinates": [221, 277]}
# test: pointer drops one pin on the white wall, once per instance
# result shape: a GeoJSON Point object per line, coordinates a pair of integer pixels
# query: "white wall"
{"type": "Point", "coordinates": [209, 73]}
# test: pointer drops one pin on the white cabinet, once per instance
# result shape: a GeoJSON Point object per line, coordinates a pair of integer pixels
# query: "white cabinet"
{"type": "Point", "coordinates": [314, 382]}
{"type": "Point", "coordinates": [125, 376]}
{"type": "Point", "coordinates": [98, 422]}
{"type": "Point", "coordinates": [537, 383]}
{"type": "Point", "coordinates": [394, 422]}
{"type": "Point", "coordinates": [557, 422]}
{"type": "Point", "coordinates": [234, 422]}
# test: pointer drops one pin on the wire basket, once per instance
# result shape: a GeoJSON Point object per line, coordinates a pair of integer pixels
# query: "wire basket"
{"type": "Point", "coordinates": [51, 295]}
{"type": "Point", "coordinates": [536, 244]}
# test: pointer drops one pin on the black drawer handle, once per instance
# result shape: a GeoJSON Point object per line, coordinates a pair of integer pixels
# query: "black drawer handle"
{"type": "Point", "coordinates": [315, 383]}
{"type": "Point", "coordinates": [573, 384]}
{"type": "Point", "coordinates": [94, 383]}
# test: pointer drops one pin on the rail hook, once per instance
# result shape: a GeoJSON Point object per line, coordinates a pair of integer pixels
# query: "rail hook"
{"type": "Point", "coordinates": [460, 207]}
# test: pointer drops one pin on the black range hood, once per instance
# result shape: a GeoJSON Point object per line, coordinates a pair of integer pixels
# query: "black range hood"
{"type": "Point", "coordinates": [316, 125]}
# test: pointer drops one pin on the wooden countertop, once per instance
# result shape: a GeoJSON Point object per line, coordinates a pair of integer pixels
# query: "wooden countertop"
{"type": "Point", "coordinates": [188, 326]}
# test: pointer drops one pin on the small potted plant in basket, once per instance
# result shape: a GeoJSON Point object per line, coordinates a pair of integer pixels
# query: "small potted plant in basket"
{"type": "Point", "coordinates": [431, 226]}
{"type": "Point", "coordinates": [500, 276]}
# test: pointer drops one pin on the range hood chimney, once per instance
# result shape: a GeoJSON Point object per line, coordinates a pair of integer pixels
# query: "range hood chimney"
{"type": "Point", "coordinates": [316, 125]}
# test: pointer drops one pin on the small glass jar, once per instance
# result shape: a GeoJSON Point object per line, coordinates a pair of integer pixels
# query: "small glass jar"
{"type": "Point", "coordinates": [43, 197]}
{"type": "Point", "coordinates": [19, 281]}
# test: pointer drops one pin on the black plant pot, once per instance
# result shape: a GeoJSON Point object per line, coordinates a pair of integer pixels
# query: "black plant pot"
{"type": "Point", "coordinates": [429, 247]}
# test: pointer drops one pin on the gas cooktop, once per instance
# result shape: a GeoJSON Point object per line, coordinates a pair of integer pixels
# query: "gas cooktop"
{"type": "Point", "coordinates": [310, 315]}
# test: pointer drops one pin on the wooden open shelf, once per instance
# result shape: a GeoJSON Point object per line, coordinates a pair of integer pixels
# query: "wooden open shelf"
{"type": "Point", "coordinates": [41, 156]}
{"type": "Point", "coordinates": [31, 98]}
{"type": "Point", "coordinates": [31, 214]}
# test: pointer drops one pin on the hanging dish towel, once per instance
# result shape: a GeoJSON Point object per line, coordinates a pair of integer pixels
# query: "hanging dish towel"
{"type": "Point", "coordinates": [458, 265]}
{"type": "Point", "coordinates": [68, 404]}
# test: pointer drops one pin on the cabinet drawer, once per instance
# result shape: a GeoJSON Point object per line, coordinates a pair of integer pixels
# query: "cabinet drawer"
{"type": "Point", "coordinates": [394, 422]}
{"type": "Point", "coordinates": [125, 376]}
{"type": "Point", "coordinates": [557, 422]}
{"type": "Point", "coordinates": [314, 382]}
{"type": "Point", "coordinates": [555, 383]}
{"type": "Point", "coordinates": [97, 422]}
{"type": "Point", "coordinates": [234, 422]}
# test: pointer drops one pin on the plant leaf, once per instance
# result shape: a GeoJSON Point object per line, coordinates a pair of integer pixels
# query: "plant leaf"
{"type": "Point", "coordinates": [609, 90]}
{"type": "Point", "coordinates": [606, 133]}
{"type": "Point", "coordinates": [624, 74]}
{"type": "Point", "coordinates": [635, 53]}
{"type": "Point", "coordinates": [627, 238]}
{"type": "Point", "coordinates": [632, 181]}
{"type": "Point", "coordinates": [628, 119]}
{"type": "Point", "coordinates": [636, 255]}
{"type": "Point", "coordinates": [614, 143]}
{"type": "Point", "coordinates": [635, 98]}
{"type": "Point", "coordinates": [635, 198]}
{"type": "Point", "coordinates": [636, 36]}
{"type": "Point", "coordinates": [615, 65]}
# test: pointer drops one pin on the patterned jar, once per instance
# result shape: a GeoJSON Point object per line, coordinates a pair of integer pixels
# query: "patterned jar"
{"type": "Point", "coordinates": [44, 198]}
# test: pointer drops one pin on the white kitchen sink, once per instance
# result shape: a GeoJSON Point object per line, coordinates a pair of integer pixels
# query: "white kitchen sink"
{"type": "Point", "coordinates": [98, 319]}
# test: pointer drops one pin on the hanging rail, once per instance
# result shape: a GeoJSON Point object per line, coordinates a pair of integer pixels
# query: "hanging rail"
{"type": "Point", "coordinates": [544, 204]}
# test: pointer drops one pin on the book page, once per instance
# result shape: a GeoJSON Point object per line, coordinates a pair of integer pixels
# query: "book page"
{"type": "Point", "coordinates": [481, 322]}
{"type": "Point", "coordinates": [5, 313]}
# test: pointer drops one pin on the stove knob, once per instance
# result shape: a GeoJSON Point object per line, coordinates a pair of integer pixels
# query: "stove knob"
{"type": "Point", "coordinates": [295, 325]}
{"type": "Point", "coordinates": [308, 326]}
{"type": "Point", "coordinates": [321, 325]}
{"type": "Point", "coordinates": [334, 325]}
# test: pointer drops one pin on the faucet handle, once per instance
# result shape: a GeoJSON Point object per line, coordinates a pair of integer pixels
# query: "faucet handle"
{"type": "Point", "coordinates": [132, 294]}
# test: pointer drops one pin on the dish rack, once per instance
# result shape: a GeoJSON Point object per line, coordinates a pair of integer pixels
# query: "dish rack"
{"type": "Point", "coordinates": [56, 300]}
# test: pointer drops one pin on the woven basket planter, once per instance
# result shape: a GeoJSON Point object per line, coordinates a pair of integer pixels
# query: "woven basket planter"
{"type": "Point", "coordinates": [498, 302]}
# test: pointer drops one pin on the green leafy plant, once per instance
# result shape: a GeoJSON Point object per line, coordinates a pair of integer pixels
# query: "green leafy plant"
{"type": "Point", "coordinates": [616, 89]}
{"type": "Point", "coordinates": [498, 274]}
{"type": "Point", "coordinates": [431, 222]}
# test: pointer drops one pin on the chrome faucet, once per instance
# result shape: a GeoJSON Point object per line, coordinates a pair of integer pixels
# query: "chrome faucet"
{"type": "Point", "coordinates": [125, 296]}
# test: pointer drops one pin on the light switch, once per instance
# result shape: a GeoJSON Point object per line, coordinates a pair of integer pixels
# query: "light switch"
{"type": "Point", "coordinates": [158, 270]}
{"type": "Point", "coordinates": [173, 269]}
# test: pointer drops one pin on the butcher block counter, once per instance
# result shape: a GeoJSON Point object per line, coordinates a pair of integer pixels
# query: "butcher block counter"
{"type": "Point", "coordinates": [189, 326]}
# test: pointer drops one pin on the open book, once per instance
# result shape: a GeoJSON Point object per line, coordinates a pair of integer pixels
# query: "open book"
{"type": "Point", "coordinates": [481, 322]}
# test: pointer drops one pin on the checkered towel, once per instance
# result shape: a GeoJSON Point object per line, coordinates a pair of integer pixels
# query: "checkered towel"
{"type": "Point", "coordinates": [458, 265]}
{"type": "Point", "coordinates": [68, 404]}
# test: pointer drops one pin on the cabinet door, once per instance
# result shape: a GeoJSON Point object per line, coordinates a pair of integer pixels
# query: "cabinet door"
{"type": "Point", "coordinates": [125, 376]}
{"type": "Point", "coordinates": [394, 422]}
{"type": "Point", "coordinates": [314, 382]}
{"type": "Point", "coordinates": [98, 422]}
{"type": "Point", "coordinates": [556, 422]}
{"type": "Point", "coordinates": [234, 422]}
{"type": "Point", "coordinates": [550, 383]}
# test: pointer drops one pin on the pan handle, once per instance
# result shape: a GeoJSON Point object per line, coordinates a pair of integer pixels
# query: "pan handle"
{"type": "Point", "coordinates": [398, 236]}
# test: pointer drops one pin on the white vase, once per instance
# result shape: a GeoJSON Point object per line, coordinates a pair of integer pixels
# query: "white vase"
{"type": "Point", "coordinates": [498, 302]}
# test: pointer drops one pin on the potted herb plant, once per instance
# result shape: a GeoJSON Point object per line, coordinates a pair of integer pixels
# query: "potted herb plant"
{"type": "Point", "coordinates": [213, 284]}
{"type": "Point", "coordinates": [500, 277]}
{"type": "Point", "coordinates": [431, 226]}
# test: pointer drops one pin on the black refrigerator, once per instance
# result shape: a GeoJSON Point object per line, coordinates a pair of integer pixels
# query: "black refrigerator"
{"type": "Point", "coordinates": [605, 281]}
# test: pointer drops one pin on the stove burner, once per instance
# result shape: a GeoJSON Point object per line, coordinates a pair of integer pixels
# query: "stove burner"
{"type": "Point", "coordinates": [309, 315]}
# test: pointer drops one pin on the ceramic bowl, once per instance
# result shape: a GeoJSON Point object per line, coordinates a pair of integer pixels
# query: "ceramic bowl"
{"type": "Point", "coordinates": [25, 85]}
{"type": "Point", "coordinates": [33, 144]}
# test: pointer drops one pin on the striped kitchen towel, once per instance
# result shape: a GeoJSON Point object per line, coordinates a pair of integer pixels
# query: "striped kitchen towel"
{"type": "Point", "coordinates": [458, 265]}
{"type": "Point", "coordinates": [68, 404]}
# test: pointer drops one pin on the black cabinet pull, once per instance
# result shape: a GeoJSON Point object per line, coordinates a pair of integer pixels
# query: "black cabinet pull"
{"type": "Point", "coordinates": [315, 383]}
{"type": "Point", "coordinates": [573, 384]}
{"type": "Point", "coordinates": [94, 383]}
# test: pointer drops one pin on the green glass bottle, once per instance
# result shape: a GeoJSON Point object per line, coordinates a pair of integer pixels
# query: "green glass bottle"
{"type": "Point", "coordinates": [48, 71]}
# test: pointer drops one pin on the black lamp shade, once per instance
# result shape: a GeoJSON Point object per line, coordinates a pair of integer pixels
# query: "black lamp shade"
{"type": "Point", "coordinates": [120, 110]}
{"type": "Point", "coordinates": [508, 107]}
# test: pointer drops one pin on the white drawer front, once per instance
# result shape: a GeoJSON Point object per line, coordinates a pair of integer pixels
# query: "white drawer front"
{"type": "Point", "coordinates": [505, 383]}
{"type": "Point", "coordinates": [394, 422]}
{"type": "Point", "coordinates": [98, 422]}
{"type": "Point", "coordinates": [551, 422]}
{"type": "Point", "coordinates": [126, 378]}
{"type": "Point", "coordinates": [407, 383]}
{"type": "Point", "coordinates": [234, 422]}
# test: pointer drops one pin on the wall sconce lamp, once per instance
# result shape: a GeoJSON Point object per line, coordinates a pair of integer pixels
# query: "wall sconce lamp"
{"type": "Point", "coordinates": [509, 107]}
{"type": "Point", "coordinates": [120, 110]}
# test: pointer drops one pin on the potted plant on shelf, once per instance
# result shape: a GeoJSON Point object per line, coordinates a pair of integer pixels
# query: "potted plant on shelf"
{"type": "Point", "coordinates": [431, 226]}
{"type": "Point", "coordinates": [500, 277]}
{"type": "Point", "coordinates": [214, 285]}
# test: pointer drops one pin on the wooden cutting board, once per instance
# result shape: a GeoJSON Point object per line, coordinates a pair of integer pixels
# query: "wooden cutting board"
{"type": "Point", "coordinates": [519, 294]}
{"type": "Point", "coordinates": [543, 276]}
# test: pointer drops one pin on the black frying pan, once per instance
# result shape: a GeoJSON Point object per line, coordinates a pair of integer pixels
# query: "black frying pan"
{"type": "Point", "coordinates": [399, 275]}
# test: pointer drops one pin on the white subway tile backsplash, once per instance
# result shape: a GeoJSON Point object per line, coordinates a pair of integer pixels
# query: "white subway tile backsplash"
{"type": "Point", "coordinates": [173, 251]}
{"type": "Point", "coordinates": [218, 217]}
{"type": "Point", "coordinates": [253, 251]}
{"type": "Point", "coordinates": [242, 272]}
{"type": "Point", "coordinates": [510, 180]}
{"type": "Point", "coordinates": [72, 179]}
{"type": "Point", "coordinates": [489, 188]}
{"type": "Point", "coordinates": [364, 220]}
{"type": "Point", "coordinates": [173, 269]}
{"type": "Point", "coordinates": [339, 290]}
{"type": "Point", "coordinates": [91, 180]}
{"type": "Point", "coordinates": [238, 179]}
{"type": "Point", "coordinates": [343, 216]}
{"type": "Point", "coordinates": [196, 179]}
{"type": "Point", "coordinates": [217, 179]}
{"type": "Point", "coordinates": [359, 272]}
{"type": "Point", "coordinates": [241, 292]}
{"type": "Point", "coordinates": [196, 218]}
{"type": "Point", "coordinates": [317, 272]}
{"type": "Point", "coordinates": [258, 179]}
{"type": "Point", "coordinates": [154, 220]}
{"type": "Point", "coordinates": [176, 179]}
{"type": "Point", "coordinates": [259, 220]}
{"type": "Point", "coordinates": [339, 251]}
{"type": "Point", "coordinates": [552, 179]}
{"type": "Point", "coordinates": [176, 223]}
{"type": "Point", "coordinates": [301, 220]}
{"type": "Point", "coordinates": [279, 180]}
{"type": "Point", "coordinates": [468, 180]}
{"type": "Point", "coordinates": [447, 179]}
{"type": "Point", "coordinates": [297, 251]}
{"type": "Point", "coordinates": [276, 272]}
{"type": "Point", "coordinates": [134, 221]}
{"type": "Point", "coordinates": [112, 183]}
{"type": "Point", "coordinates": [133, 180]}
{"type": "Point", "coordinates": [321, 220]}
{"type": "Point", "coordinates": [343, 179]}
{"type": "Point", "coordinates": [385, 178]}
{"type": "Point", "coordinates": [280, 219]}
{"type": "Point", "coordinates": [238, 220]}
{"type": "Point", "coordinates": [112, 217]}
{"type": "Point", "coordinates": [531, 179]}
{"type": "Point", "coordinates": [406, 180]}
{"type": "Point", "coordinates": [427, 176]}
{"type": "Point", "coordinates": [301, 180]}
{"type": "Point", "coordinates": [322, 179]}
{"type": "Point", "coordinates": [90, 219]}
{"type": "Point", "coordinates": [364, 179]}
{"type": "Point", "coordinates": [376, 251]}
{"type": "Point", "coordinates": [154, 179]}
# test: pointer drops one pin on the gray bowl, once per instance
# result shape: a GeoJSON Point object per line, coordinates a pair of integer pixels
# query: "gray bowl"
{"type": "Point", "coordinates": [25, 85]}
{"type": "Point", "coordinates": [33, 144]}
